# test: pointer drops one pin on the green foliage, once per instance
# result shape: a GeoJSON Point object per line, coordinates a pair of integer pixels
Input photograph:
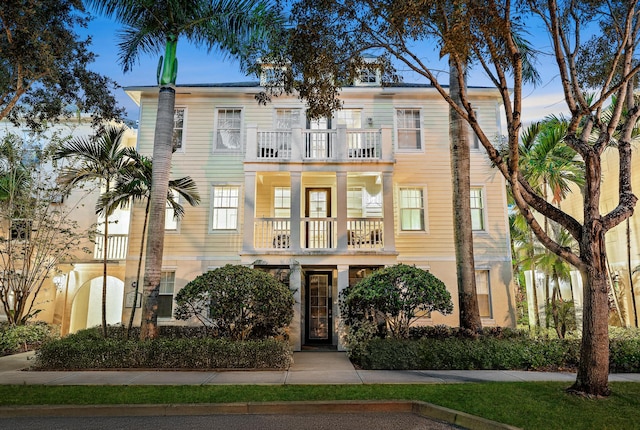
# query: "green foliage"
{"type": "Point", "coordinates": [237, 302]}
{"type": "Point", "coordinates": [46, 75]}
{"type": "Point", "coordinates": [393, 298]}
{"type": "Point", "coordinates": [88, 349]}
{"type": "Point", "coordinates": [20, 338]}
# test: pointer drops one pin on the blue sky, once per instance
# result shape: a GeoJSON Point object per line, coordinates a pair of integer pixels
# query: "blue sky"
{"type": "Point", "coordinates": [196, 66]}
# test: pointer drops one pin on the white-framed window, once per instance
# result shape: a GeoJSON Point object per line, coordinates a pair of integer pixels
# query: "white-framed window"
{"type": "Point", "coordinates": [178, 129]}
{"type": "Point", "coordinates": [412, 209]}
{"type": "Point", "coordinates": [408, 130]}
{"type": "Point", "coordinates": [282, 202]}
{"type": "Point", "coordinates": [351, 118]}
{"type": "Point", "coordinates": [477, 209]}
{"type": "Point", "coordinates": [170, 220]}
{"type": "Point", "coordinates": [21, 229]}
{"type": "Point", "coordinates": [483, 292]}
{"type": "Point", "coordinates": [165, 294]}
{"type": "Point", "coordinates": [474, 142]}
{"type": "Point", "coordinates": [368, 76]}
{"type": "Point", "coordinates": [288, 118]}
{"type": "Point", "coordinates": [225, 203]}
{"type": "Point", "coordinates": [228, 129]}
{"type": "Point", "coordinates": [354, 202]}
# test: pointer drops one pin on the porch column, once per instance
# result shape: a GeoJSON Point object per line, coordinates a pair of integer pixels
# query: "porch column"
{"type": "Point", "coordinates": [340, 145]}
{"type": "Point", "coordinates": [341, 197]}
{"type": "Point", "coordinates": [296, 207]}
{"type": "Point", "coordinates": [389, 238]}
{"type": "Point", "coordinates": [343, 282]}
{"type": "Point", "coordinates": [252, 142]}
{"type": "Point", "coordinates": [297, 143]}
{"type": "Point", "coordinates": [387, 143]}
{"type": "Point", "coordinates": [249, 210]}
{"type": "Point", "coordinates": [296, 326]}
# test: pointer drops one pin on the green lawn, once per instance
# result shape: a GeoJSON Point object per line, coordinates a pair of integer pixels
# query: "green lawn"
{"type": "Point", "coordinates": [530, 405]}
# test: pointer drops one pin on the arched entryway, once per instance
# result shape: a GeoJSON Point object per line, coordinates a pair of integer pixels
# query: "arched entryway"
{"type": "Point", "coordinates": [86, 309]}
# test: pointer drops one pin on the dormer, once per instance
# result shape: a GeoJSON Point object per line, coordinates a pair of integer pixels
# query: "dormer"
{"type": "Point", "coordinates": [369, 74]}
{"type": "Point", "coordinates": [271, 74]}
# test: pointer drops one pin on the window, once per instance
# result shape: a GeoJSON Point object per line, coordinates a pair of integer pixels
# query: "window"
{"type": "Point", "coordinates": [408, 129]}
{"type": "Point", "coordinates": [352, 118]}
{"type": "Point", "coordinates": [286, 119]}
{"type": "Point", "coordinates": [225, 207]}
{"type": "Point", "coordinates": [483, 292]}
{"type": "Point", "coordinates": [474, 142]}
{"type": "Point", "coordinates": [354, 202]}
{"type": "Point", "coordinates": [21, 229]}
{"type": "Point", "coordinates": [477, 209]}
{"type": "Point", "coordinates": [411, 209]}
{"type": "Point", "coordinates": [228, 128]}
{"type": "Point", "coordinates": [178, 129]}
{"type": "Point", "coordinates": [282, 202]}
{"type": "Point", "coordinates": [165, 294]}
{"type": "Point", "coordinates": [369, 76]}
{"type": "Point", "coordinates": [170, 221]}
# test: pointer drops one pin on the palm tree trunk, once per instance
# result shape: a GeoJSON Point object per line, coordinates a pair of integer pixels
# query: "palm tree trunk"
{"type": "Point", "coordinates": [105, 248]}
{"type": "Point", "coordinates": [463, 234]}
{"type": "Point", "coordinates": [137, 287]}
{"type": "Point", "coordinates": [162, 150]}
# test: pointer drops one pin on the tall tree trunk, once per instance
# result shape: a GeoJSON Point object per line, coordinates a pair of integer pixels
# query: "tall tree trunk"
{"type": "Point", "coordinates": [162, 151]}
{"type": "Point", "coordinates": [105, 249]}
{"type": "Point", "coordinates": [463, 234]}
{"type": "Point", "coordinates": [137, 287]}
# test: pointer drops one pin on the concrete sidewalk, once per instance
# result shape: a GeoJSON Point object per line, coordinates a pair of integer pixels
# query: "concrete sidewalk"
{"type": "Point", "coordinates": [308, 368]}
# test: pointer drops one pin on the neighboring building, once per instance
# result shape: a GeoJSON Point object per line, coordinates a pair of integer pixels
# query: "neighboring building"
{"type": "Point", "coordinates": [72, 297]}
{"type": "Point", "coordinates": [623, 250]}
{"type": "Point", "coordinates": [321, 204]}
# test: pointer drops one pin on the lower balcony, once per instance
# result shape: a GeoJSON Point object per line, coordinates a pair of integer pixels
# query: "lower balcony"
{"type": "Point", "coordinates": [117, 245]}
{"type": "Point", "coordinates": [318, 234]}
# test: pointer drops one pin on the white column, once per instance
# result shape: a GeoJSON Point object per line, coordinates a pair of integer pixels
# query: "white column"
{"type": "Point", "coordinates": [343, 282]}
{"type": "Point", "coordinates": [389, 234]}
{"type": "Point", "coordinates": [341, 197]}
{"type": "Point", "coordinates": [296, 326]}
{"type": "Point", "coordinates": [297, 144]}
{"type": "Point", "coordinates": [249, 210]}
{"type": "Point", "coordinates": [340, 143]}
{"type": "Point", "coordinates": [252, 142]}
{"type": "Point", "coordinates": [296, 208]}
{"type": "Point", "coordinates": [387, 143]}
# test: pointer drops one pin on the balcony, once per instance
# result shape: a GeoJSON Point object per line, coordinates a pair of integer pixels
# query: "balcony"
{"type": "Point", "coordinates": [273, 234]}
{"type": "Point", "coordinates": [337, 145]}
{"type": "Point", "coordinates": [116, 247]}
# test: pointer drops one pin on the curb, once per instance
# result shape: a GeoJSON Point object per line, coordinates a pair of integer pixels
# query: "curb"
{"type": "Point", "coordinates": [419, 408]}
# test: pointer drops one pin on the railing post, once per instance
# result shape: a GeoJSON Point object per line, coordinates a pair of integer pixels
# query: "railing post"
{"type": "Point", "coordinates": [386, 141]}
{"type": "Point", "coordinates": [252, 142]}
{"type": "Point", "coordinates": [340, 145]}
{"type": "Point", "coordinates": [297, 144]}
{"type": "Point", "coordinates": [388, 238]}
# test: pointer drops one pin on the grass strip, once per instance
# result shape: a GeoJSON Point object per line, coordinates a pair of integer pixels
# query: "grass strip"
{"type": "Point", "coordinates": [529, 405]}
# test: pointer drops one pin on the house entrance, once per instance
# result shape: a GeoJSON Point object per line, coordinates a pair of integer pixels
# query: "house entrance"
{"type": "Point", "coordinates": [319, 318]}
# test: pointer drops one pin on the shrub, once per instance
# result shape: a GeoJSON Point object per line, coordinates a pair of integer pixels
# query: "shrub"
{"type": "Point", "coordinates": [85, 350]}
{"type": "Point", "coordinates": [393, 298]}
{"type": "Point", "coordinates": [20, 338]}
{"type": "Point", "coordinates": [237, 302]}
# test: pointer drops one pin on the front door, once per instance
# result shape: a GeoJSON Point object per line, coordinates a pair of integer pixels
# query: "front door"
{"type": "Point", "coordinates": [319, 321]}
{"type": "Point", "coordinates": [318, 213]}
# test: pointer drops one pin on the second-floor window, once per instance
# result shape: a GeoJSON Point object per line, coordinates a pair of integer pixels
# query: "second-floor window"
{"type": "Point", "coordinates": [170, 221]}
{"type": "Point", "coordinates": [228, 130]}
{"type": "Point", "coordinates": [408, 131]}
{"type": "Point", "coordinates": [178, 129]}
{"type": "Point", "coordinates": [483, 292]}
{"type": "Point", "coordinates": [225, 207]}
{"type": "Point", "coordinates": [286, 119]}
{"type": "Point", "coordinates": [411, 209]}
{"type": "Point", "coordinates": [477, 209]}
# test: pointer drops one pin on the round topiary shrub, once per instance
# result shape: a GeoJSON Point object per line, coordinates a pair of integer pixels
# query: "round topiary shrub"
{"type": "Point", "coordinates": [393, 298]}
{"type": "Point", "coordinates": [237, 302]}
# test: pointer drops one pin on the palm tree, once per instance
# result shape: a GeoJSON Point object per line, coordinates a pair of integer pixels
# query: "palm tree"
{"type": "Point", "coordinates": [135, 184]}
{"type": "Point", "coordinates": [230, 26]}
{"type": "Point", "coordinates": [102, 158]}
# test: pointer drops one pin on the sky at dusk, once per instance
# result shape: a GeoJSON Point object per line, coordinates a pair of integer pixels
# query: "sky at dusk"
{"type": "Point", "coordinates": [196, 66]}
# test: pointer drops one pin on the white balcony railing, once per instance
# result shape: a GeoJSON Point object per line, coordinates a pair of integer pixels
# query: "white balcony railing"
{"type": "Point", "coordinates": [116, 247]}
{"type": "Point", "coordinates": [319, 233]}
{"type": "Point", "coordinates": [340, 144]}
{"type": "Point", "coordinates": [365, 233]}
{"type": "Point", "coordinates": [272, 233]}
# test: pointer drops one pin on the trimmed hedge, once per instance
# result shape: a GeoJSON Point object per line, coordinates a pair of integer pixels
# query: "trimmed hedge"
{"type": "Point", "coordinates": [490, 354]}
{"type": "Point", "coordinates": [21, 338]}
{"type": "Point", "coordinates": [88, 350]}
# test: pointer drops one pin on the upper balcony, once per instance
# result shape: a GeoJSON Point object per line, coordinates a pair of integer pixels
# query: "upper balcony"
{"type": "Point", "coordinates": [304, 145]}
